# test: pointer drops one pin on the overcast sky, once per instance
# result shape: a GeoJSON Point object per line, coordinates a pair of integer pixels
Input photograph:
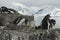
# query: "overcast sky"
{"type": "Point", "coordinates": [37, 3]}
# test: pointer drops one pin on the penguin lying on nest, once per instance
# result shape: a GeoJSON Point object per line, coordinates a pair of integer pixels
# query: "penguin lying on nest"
{"type": "Point", "coordinates": [5, 9]}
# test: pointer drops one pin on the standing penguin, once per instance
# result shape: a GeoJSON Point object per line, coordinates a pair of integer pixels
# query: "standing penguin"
{"type": "Point", "coordinates": [52, 23]}
{"type": "Point", "coordinates": [45, 22]}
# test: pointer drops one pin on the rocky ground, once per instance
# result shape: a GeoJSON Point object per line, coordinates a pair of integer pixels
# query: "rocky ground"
{"type": "Point", "coordinates": [36, 35]}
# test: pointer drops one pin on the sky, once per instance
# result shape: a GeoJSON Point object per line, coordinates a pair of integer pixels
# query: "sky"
{"type": "Point", "coordinates": [33, 3]}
